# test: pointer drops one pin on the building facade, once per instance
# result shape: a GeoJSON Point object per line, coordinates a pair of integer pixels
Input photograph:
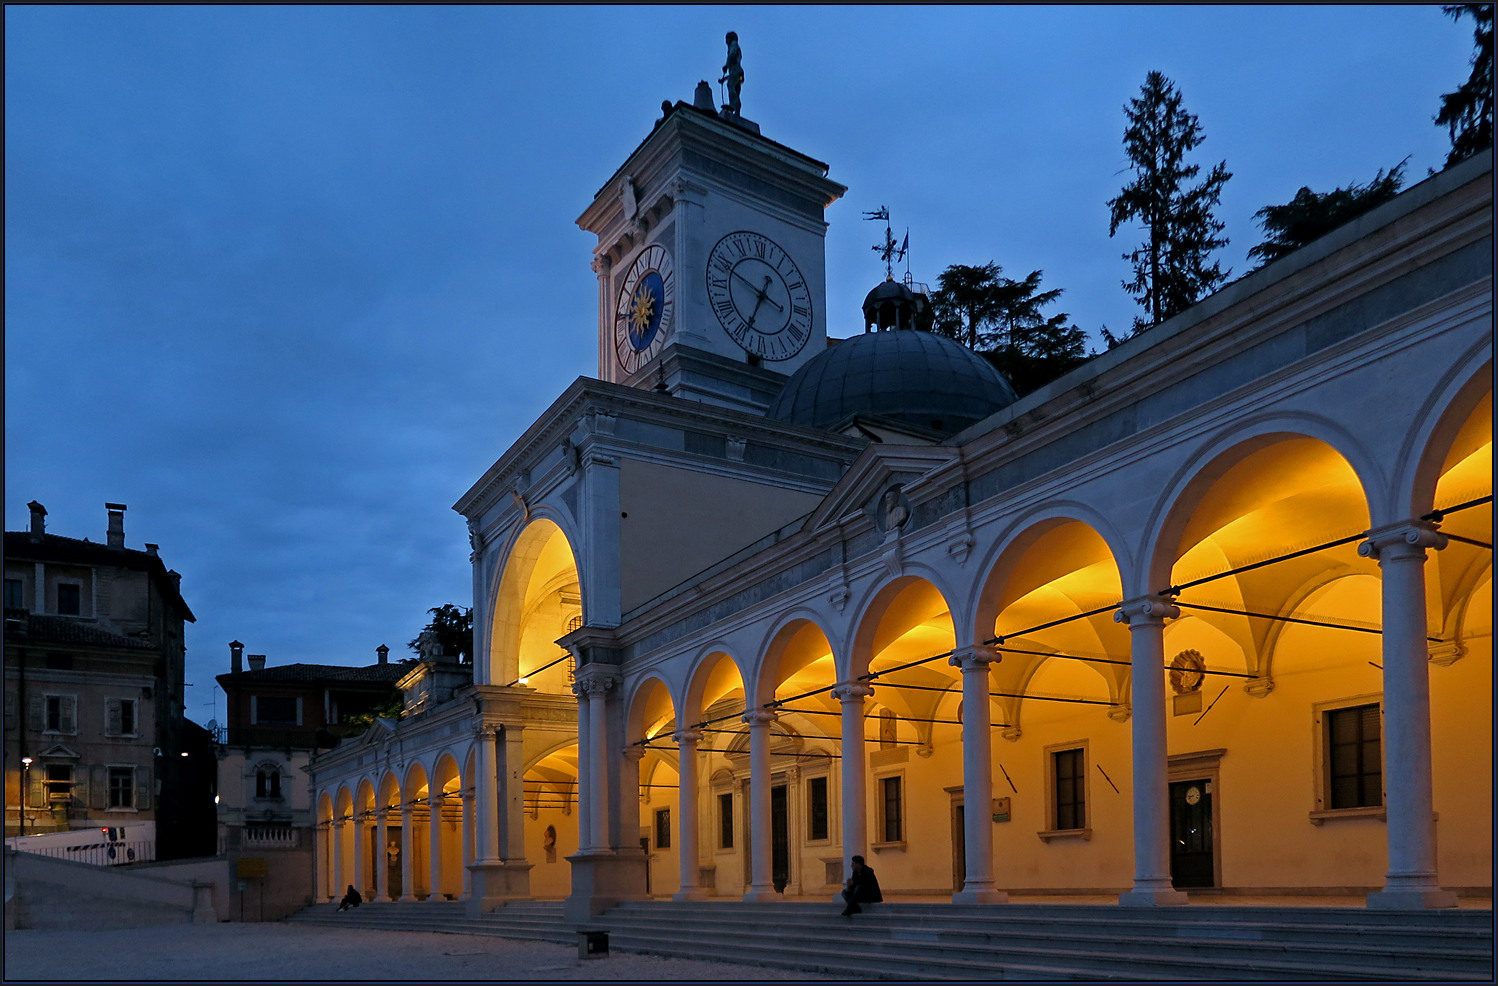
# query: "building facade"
{"type": "Point", "coordinates": [277, 718]}
{"type": "Point", "coordinates": [95, 735]}
{"type": "Point", "coordinates": [1210, 613]}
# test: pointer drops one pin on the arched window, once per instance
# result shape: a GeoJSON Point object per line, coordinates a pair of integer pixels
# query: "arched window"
{"type": "Point", "coordinates": [268, 781]}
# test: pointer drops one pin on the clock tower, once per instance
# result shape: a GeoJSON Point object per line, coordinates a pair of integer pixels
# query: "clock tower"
{"type": "Point", "coordinates": [711, 259]}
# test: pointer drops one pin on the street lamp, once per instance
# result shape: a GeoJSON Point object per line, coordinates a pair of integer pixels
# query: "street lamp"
{"type": "Point", "coordinates": [25, 787]}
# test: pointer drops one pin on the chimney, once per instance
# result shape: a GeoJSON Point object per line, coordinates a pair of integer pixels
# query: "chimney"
{"type": "Point", "coordinates": [236, 657]}
{"type": "Point", "coordinates": [38, 520]}
{"type": "Point", "coordinates": [116, 524]}
{"type": "Point", "coordinates": [384, 653]}
{"type": "Point", "coordinates": [702, 97]}
{"type": "Point", "coordinates": [257, 662]}
{"type": "Point", "coordinates": [151, 549]}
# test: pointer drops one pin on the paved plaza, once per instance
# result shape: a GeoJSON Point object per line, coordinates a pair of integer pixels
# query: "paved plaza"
{"type": "Point", "coordinates": [297, 953]}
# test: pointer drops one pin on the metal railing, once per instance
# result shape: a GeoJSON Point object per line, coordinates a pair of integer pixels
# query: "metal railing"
{"type": "Point", "coordinates": [100, 853]}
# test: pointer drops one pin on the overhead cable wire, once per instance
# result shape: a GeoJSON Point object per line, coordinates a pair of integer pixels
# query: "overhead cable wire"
{"type": "Point", "coordinates": [539, 670]}
{"type": "Point", "coordinates": [1112, 660]}
{"type": "Point", "coordinates": [1288, 619]}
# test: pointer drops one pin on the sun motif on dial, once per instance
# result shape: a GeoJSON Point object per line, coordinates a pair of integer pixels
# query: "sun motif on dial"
{"type": "Point", "coordinates": [642, 314]}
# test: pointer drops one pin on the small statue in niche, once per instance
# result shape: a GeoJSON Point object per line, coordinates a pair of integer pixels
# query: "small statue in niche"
{"type": "Point", "coordinates": [895, 512]}
{"type": "Point", "coordinates": [549, 843]}
{"type": "Point", "coordinates": [733, 73]}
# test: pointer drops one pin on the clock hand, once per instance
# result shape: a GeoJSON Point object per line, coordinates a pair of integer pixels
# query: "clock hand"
{"type": "Point", "coordinates": [759, 292]}
{"type": "Point", "coordinates": [766, 294]}
{"type": "Point", "coordinates": [754, 313]}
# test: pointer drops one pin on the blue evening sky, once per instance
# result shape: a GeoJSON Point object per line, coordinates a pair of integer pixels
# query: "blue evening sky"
{"type": "Point", "coordinates": [287, 280]}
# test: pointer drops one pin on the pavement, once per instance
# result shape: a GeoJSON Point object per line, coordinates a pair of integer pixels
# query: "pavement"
{"type": "Point", "coordinates": [301, 953]}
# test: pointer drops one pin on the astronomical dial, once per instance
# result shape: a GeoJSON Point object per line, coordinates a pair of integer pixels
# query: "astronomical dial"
{"type": "Point", "coordinates": [642, 313]}
{"type": "Point", "coordinates": [760, 296]}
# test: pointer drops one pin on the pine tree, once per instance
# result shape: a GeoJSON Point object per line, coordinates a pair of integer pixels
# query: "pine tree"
{"type": "Point", "coordinates": [1468, 113]}
{"type": "Point", "coordinates": [964, 304]}
{"type": "Point", "coordinates": [1171, 268]}
{"type": "Point", "coordinates": [1311, 215]}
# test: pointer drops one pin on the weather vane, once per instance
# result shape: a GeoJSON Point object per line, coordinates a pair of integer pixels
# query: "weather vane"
{"type": "Point", "coordinates": [889, 251]}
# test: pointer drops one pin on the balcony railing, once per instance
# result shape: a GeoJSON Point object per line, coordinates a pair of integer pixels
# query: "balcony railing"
{"type": "Point", "coordinates": [271, 837]}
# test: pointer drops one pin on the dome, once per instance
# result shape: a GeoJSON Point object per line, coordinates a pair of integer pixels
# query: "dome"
{"type": "Point", "coordinates": [917, 378]}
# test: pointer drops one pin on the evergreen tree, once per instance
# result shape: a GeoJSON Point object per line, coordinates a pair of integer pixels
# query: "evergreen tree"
{"type": "Point", "coordinates": [454, 628]}
{"type": "Point", "coordinates": [1001, 319]}
{"type": "Point", "coordinates": [1311, 215]}
{"type": "Point", "coordinates": [1171, 269]}
{"type": "Point", "coordinates": [1468, 113]}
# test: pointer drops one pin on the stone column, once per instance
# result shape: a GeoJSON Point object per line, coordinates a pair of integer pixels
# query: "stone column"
{"type": "Point", "coordinates": [338, 885]}
{"type": "Point", "coordinates": [761, 882]}
{"type": "Point", "coordinates": [467, 844]}
{"type": "Point", "coordinates": [408, 854]}
{"type": "Point", "coordinates": [1411, 882]}
{"type": "Point", "coordinates": [977, 777]}
{"type": "Point", "coordinates": [1146, 621]}
{"type": "Point", "coordinates": [382, 854]}
{"type": "Point", "coordinates": [513, 806]}
{"type": "Point", "coordinates": [598, 757]}
{"type": "Point", "coordinates": [686, 815]}
{"type": "Point", "coordinates": [584, 774]}
{"type": "Point", "coordinates": [486, 798]}
{"type": "Point", "coordinates": [855, 803]}
{"type": "Point", "coordinates": [361, 857]}
{"type": "Point", "coordinates": [434, 852]}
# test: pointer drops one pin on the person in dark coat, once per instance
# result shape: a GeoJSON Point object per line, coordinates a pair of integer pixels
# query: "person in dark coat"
{"type": "Point", "coordinates": [350, 899]}
{"type": "Point", "coordinates": [862, 888]}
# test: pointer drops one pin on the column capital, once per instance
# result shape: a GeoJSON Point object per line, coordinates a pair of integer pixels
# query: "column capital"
{"type": "Point", "coordinates": [635, 753]}
{"type": "Point", "coordinates": [975, 658]}
{"type": "Point", "coordinates": [1148, 611]}
{"type": "Point", "coordinates": [482, 729]}
{"type": "Point", "coordinates": [759, 717]}
{"type": "Point", "coordinates": [853, 691]}
{"type": "Point", "coordinates": [1404, 539]}
{"type": "Point", "coordinates": [434, 800]}
{"type": "Point", "coordinates": [687, 736]}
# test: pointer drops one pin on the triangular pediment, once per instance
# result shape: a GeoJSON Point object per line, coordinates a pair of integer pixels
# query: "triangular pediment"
{"type": "Point", "coordinates": [59, 752]}
{"type": "Point", "coordinates": [873, 472]}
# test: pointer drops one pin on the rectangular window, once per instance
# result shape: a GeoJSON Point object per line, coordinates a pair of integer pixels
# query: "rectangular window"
{"type": "Point", "coordinates": [1356, 758]}
{"type": "Point", "coordinates": [120, 717]}
{"type": "Point", "coordinates": [663, 828]}
{"type": "Point", "coordinates": [816, 797]}
{"type": "Point", "coordinates": [69, 598]}
{"type": "Point", "coordinates": [725, 821]}
{"type": "Point", "coordinates": [893, 818]}
{"type": "Point", "coordinates": [121, 787]}
{"type": "Point", "coordinates": [275, 711]}
{"type": "Point", "coordinates": [13, 593]}
{"type": "Point", "coordinates": [1071, 798]}
{"type": "Point", "coordinates": [59, 713]}
{"type": "Point", "coordinates": [59, 782]}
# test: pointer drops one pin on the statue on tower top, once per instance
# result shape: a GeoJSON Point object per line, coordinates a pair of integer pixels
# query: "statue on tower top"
{"type": "Point", "coordinates": [733, 74]}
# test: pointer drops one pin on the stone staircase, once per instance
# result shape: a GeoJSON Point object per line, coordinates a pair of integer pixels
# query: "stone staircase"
{"type": "Point", "coordinates": [1017, 941]}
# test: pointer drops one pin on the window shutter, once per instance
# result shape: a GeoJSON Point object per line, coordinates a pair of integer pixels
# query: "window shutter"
{"type": "Point", "coordinates": [299, 710]}
{"type": "Point", "coordinates": [142, 787]}
{"type": "Point", "coordinates": [98, 787]}
{"type": "Point", "coordinates": [254, 709]}
{"type": "Point", "coordinates": [68, 719]}
{"type": "Point", "coordinates": [38, 795]}
{"type": "Point", "coordinates": [80, 784]}
{"type": "Point", "coordinates": [37, 722]}
{"type": "Point", "coordinates": [10, 709]}
{"type": "Point", "coordinates": [113, 725]}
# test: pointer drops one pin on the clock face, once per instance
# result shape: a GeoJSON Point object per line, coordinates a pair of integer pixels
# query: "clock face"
{"type": "Point", "coordinates": [759, 295]}
{"type": "Point", "coordinates": [1193, 795]}
{"type": "Point", "coordinates": [642, 313]}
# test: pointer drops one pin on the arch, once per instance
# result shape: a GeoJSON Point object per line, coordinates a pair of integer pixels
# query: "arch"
{"type": "Point", "coordinates": [364, 800]}
{"type": "Point", "coordinates": [536, 599]}
{"type": "Point", "coordinates": [715, 674]}
{"type": "Point", "coordinates": [390, 791]}
{"type": "Point", "coordinates": [797, 646]}
{"type": "Point", "coordinates": [415, 784]}
{"type": "Point", "coordinates": [1445, 428]}
{"type": "Point", "coordinates": [651, 709]}
{"type": "Point", "coordinates": [344, 801]}
{"type": "Point", "coordinates": [1222, 454]}
{"type": "Point", "coordinates": [897, 610]}
{"type": "Point", "coordinates": [324, 807]}
{"type": "Point", "coordinates": [446, 777]}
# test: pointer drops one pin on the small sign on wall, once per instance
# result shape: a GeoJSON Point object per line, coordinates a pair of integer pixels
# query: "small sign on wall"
{"type": "Point", "coordinates": [1001, 809]}
{"type": "Point", "coordinates": [249, 867]}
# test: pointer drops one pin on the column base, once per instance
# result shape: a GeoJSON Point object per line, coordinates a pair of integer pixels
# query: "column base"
{"type": "Point", "coordinates": [495, 885]}
{"type": "Point", "coordinates": [602, 878]}
{"type": "Point", "coordinates": [1411, 900]}
{"type": "Point", "coordinates": [1151, 897]}
{"type": "Point", "coordinates": [435, 899]}
{"type": "Point", "coordinates": [408, 899]}
{"type": "Point", "coordinates": [980, 895]}
{"type": "Point", "coordinates": [762, 893]}
{"type": "Point", "coordinates": [694, 893]}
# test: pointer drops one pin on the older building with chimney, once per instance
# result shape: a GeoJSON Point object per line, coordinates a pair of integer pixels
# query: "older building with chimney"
{"type": "Point", "coordinates": [94, 734]}
{"type": "Point", "coordinates": [278, 717]}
